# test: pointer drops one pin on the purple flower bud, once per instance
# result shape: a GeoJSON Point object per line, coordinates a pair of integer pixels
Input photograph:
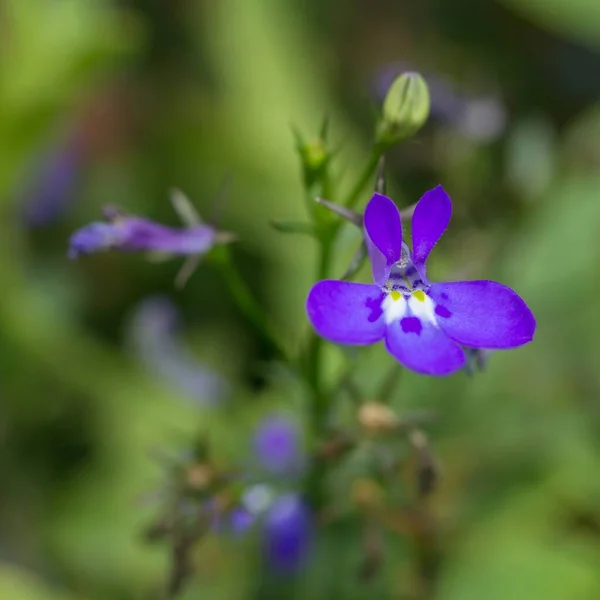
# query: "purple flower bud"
{"type": "Point", "coordinates": [287, 534]}
{"type": "Point", "coordinates": [277, 446]}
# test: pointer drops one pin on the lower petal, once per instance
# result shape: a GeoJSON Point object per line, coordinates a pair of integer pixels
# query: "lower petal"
{"type": "Point", "coordinates": [346, 313]}
{"type": "Point", "coordinates": [483, 314]}
{"type": "Point", "coordinates": [423, 347]}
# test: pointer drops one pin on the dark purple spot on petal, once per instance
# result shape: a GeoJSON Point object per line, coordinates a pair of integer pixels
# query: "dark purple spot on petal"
{"type": "Point", "coordinates": [374, 305]}
{"type": "Point", "coordinates": [417, 282]}
{"type": "Point", "coordinates": [411, 325]}
{"type": "Point", "coordinates": [442, 311]}
{"type": "Point", "coordinates": [444, 296]}
{"type": "Point", "coordinates": [410, 271]}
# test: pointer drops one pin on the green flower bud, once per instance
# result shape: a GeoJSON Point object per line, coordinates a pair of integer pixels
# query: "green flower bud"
{"type": "Point", "coordinates": [405, 109]}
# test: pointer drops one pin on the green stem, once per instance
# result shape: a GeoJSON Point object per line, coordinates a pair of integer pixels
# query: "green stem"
{"type": "Point", "coordinates": [249, 304]}
{"type": "Point", "coordinates": [314, 351]}
{"type": "Point", "coordinates": [365, 177]}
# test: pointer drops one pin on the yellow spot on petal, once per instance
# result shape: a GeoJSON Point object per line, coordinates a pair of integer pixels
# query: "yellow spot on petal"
{"type": "Point", "coordinates": [419, 295]}
{"type": "Point", "coordinates": [396, 295]}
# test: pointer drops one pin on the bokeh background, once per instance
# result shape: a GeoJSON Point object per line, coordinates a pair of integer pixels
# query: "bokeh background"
{"type": "Point", "coordinates": [117, 102]}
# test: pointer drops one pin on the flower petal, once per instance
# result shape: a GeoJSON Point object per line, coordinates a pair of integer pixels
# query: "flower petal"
{"type": "Point", "coordinates": [143, 235]}
{"type": "Point", "coordinates": [383, 235]}
{"type": "Point", "coordinates": [277, 446]}
{"type": "Point", "coordinates": [483, 314]}
{"type": "Point", "coordinates": [423, 347]}
{"type": "Point", "coordinates": [346, 313]}
{"type": "Point", "coordinates": [430, 219]}
{"type": "Point", "coordinates": [94, 237]}
{"type": "Point", "coordinates": [287, 534]}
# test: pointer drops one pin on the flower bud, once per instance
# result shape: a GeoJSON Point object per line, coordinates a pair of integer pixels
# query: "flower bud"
{"type": "Point", "coordinates": [376, 417]}
{"type": "Point", "coordinates": [199, 476]}
{"type": "Point", "coordinates": [405, 109]}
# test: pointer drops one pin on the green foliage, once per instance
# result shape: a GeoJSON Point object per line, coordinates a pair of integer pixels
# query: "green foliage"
{"type": "Point", "coordinates": [516, 512]}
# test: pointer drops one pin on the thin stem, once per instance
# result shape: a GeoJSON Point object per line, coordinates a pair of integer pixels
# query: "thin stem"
{"type": "Point", "coordinates": [313, 357]}
{"type": "Point", "coordinates": [249, 304]}
{"type": "Point", "coordinates": [389, 383]}
{"type": "Point", "coordinates": [366, 176]}
{"type": "Point", "coordinates": [315, 348]}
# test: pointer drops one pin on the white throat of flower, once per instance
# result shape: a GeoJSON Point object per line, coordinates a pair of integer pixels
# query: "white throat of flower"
{"type": "Point", "coordinates": [395, 306]}
{"type": "Point", "coordinates": [406, 294]}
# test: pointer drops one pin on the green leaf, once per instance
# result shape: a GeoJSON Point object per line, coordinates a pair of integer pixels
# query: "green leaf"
{"type": "Point", "coordinates": [578, 19]}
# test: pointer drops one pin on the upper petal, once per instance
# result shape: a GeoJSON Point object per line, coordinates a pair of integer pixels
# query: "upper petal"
{"type": "Point", "coordinates": [483, 314]}
{"type": "Point", "coordinates": [422, 347]}
{"type": "Point", "coordinates": [346, 313]}
{"type": "Point", "coordinates": [383, 235]}
{"type": "Point", "coordinates": [430, 219]}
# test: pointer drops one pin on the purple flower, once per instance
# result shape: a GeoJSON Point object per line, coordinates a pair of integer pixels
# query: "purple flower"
{"type": "Point", "coordinates": [277, 446]}
{"type": "Point", "coordinates": [152, 334]}
{"type": "Point", "coordinates": [287, 534]}
{"type": "Point", "coordinates": [237, 521]}
{"type": "Point", "coordinates": [129, 233]}
{"type": "Point", "coordinates": [53, 185]}
{"type": "Point", "coordinates": [422, 323]}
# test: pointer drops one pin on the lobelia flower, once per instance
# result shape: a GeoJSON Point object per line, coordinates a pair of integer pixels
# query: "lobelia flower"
{"type": "Point", "coordinates": [152, 335]}
{"type": "Point", "coordinates": [422, 323]}
{"type": "Point", "coordinates": [277, 447]}
{"type": "Point", "coordinates": [129, 233]}
{"type": "Point", "coordinates": [283, 519]}
{"type": "Point", "coordinates": [287, 534]}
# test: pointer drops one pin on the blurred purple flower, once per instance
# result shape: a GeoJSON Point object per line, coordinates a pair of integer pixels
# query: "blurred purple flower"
{"type": "Point", "coordinates": [287, 534]}
{"type": "Point", "coordinates": [51, 187]}
{"type": "Point", "coordinates": [152, 335]}
{"type": "Point", "coordinates": [478, 118]}
{"type": "Point", "coordinates": [129, 233]}
{"type": "Point", "coordinates": [277, 446]}
{"type": "Point", "coordinates": [236, 521]}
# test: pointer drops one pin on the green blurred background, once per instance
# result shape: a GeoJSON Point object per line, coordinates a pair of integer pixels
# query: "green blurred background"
{"type": "Point", "coordinates": [142, 95]}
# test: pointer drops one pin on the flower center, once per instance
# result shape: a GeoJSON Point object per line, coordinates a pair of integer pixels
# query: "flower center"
{"type": "Point", "coordinates": [406, 296]}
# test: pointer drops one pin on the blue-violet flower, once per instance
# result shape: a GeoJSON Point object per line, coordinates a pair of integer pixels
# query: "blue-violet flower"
{"type": "Point", "coordinates": [277, 447]}
{"type": "Point", "coordinates": [130, 233]}
{"type": "Point", "coordinates": [287, 534]}
{"type": "Point", "coordinates": [153, 337]}
{"type": "Point", "coordinates": [422, 323]}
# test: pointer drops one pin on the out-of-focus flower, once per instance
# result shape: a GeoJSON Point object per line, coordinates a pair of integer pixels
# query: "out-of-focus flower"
{"type": "Point", "coordinates": [287, 534]}
{"type": "Point", "coordinates": [478, 118]}
{"type": "Point", "coordinates": [423, 324]}
{"type": "Point", "coordinates": [129, 233]}
{"type": "Point", "coordinates": [152, 333]}
{"type": "Point", "coordinates": [51, 186]}
{"type": "Point", "coordinates": [277, 447]}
